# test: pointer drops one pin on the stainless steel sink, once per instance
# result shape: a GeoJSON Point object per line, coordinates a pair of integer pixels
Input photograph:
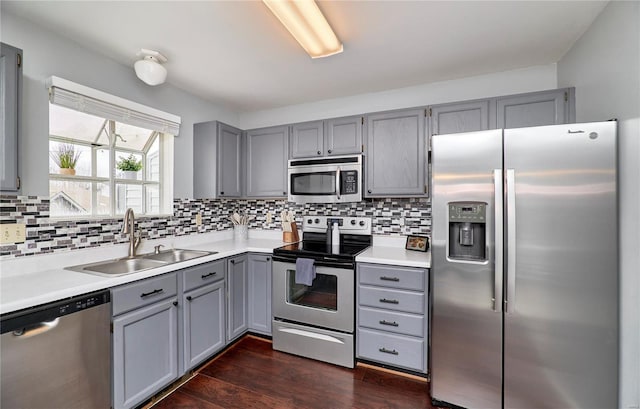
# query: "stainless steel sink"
{"type": "Point", "coordinates": [123, 266]}
{"type": "Point", "coordinates": [176, 255]}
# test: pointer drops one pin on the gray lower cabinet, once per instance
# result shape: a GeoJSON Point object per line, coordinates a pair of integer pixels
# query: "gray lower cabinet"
{"type": "Point", "coordinates": [145, 339]}
{"type": "Point", "coordinates": [259, 293]}
{"type": "Point", "coordinates": [217, 160]}
{"type": "Point", "coordinates": [551, 107]}
{"type": "Point", "coordinates": [10, 108]}
{"type": "Point", "coordinates": [395, 153]}
{"type": "Point", "coordinates": [267, 154]}
{"type": "Point", "coordinates": [203, 312]}
{"type": "Point", "coordinates": [236, 296]}
{"type": "Point", "coordinates": [392, 315]}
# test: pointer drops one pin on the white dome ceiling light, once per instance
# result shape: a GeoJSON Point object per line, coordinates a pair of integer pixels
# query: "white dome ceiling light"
{"type": "Point", "coordinates": [149, 69]}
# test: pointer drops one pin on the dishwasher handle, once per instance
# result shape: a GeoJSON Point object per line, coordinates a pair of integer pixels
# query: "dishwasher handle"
{"type": "Point", "coordinates": [36, 329]}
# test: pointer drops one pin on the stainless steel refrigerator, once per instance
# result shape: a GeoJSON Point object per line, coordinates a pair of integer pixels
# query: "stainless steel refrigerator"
{"type": "Point", "coordinates": [525, 270]}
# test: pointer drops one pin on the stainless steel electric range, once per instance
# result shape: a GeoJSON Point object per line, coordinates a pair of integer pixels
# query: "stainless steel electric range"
{"type": "Point", "coordinates": [318, 320]}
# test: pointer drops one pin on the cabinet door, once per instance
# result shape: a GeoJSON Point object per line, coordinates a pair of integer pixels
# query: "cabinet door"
{"type": "Point", "coordinates": [229, 161]}
{"type": "Point", "coordinates": [267, 155]}
{"type": "Point", "coordinates": [237, 297]}
{"type": "Point", "coordinates": [260, 293]}
{"type": "Point", "coordinates": [307, 139]}
{"type": "Point", "coordinates": [205, 170]}
{"type": "Point", "coordinates": [204, 314]}
{"type": "Point", "coordinates": [534, 109]}
{"type": "Point", "coordinates": [395, 153]}
{"type": "Point", "coordinates": [145, 352]}
{"type": "Point", "coordinates": [10, 100]}
{"type": "Point", "coordinates": [344, 135]}
{"type": "Point", "coordinates": [461, 117]}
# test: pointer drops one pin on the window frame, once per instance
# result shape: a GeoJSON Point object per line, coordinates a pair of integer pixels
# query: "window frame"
{"type": "Point", "coordinates": [112, 180]}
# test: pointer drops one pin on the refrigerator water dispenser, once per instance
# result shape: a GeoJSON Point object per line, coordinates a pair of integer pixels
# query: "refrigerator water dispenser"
{"type": "Point", "coordinates": [467, 231]}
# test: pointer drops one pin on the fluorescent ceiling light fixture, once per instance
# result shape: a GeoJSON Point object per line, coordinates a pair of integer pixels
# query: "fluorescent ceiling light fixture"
{"type": "Point", "coordinates": [307, 25]}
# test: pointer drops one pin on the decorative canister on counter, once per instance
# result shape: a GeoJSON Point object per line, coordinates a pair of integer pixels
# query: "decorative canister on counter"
{"type": "Point", "coordinates": [240, 232]}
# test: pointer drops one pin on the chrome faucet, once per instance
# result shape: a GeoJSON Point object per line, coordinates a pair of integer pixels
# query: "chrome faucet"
{"type": "Point", "coordinates": [129, 227]}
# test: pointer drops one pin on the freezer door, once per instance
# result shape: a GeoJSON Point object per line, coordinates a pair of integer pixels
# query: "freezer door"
{"type": "Point", "coordinates": [466, 341]}
{"type": "Point", "coordinates": [561, 320]}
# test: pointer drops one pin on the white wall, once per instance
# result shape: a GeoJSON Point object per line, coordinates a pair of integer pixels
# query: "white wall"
{"type": "Point", "coordinates": [46, 54]}
{"type": "Point", "coordinates": [604, 66]}
{"type": "Point", "coordinates": [491, 85]}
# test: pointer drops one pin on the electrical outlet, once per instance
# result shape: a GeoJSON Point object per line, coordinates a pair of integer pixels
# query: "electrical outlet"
{"type": "Point", "coordinates": [198, 219]}
{"type": "Point", "coordinates": [12, 233]}
{"type": "Point", "coordinates": [269, 218]}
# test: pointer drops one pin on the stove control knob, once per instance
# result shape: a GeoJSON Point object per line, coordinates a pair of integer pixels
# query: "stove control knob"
{"type": "Point", "coordinates": [362, 223]}
{"type": "Point", "coordinates": [353, 222]}
{"type": "Point", "coordinates": [310, 221]}
{"type": "Point", "coordinates": [317, 221]}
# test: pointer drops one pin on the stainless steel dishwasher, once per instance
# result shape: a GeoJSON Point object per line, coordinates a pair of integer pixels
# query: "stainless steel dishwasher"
{"type": "Point", "coordinates": [57, 355]}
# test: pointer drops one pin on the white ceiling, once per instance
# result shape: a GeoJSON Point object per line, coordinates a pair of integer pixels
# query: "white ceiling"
{"type": "Point", "coordinates": [237, 53]}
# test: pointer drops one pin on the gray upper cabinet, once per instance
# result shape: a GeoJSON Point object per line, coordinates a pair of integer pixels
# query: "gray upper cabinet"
{"type": "Point", "coordinates": [10, 101]}
{"type": "Point", "coordinates": [217, 160]}
{"type": "Point", "coordinates": [260, 293]}
{"type": "Point", "coordinates": [462, 117]}
{"type": "Point", "coordinates": [536, 109]}
{"type": "Point", "coordinates": [343, 135]}
{"type": "Point", "coordinates": [337, 136]}
{"type": "Point", "coordinates": [307, 139]}
{"type": "Point", "coordinates": [395, 153]}
{"type": "Point", "coordinates": [229, 161]}
{"type": "Point", "coordinates": [237, 297]}
{"type": "Point", "coordinates": [267, 154]}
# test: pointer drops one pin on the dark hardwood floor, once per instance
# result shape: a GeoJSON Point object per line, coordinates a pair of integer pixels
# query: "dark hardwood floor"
{"type": "Point", "coordinates": [252, 375]}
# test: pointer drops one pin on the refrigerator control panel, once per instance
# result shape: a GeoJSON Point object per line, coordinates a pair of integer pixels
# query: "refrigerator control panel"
{"type": "Point", "coordinates": [472, 212]}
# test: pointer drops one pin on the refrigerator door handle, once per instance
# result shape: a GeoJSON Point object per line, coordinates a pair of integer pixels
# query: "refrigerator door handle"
{"type": "Point", "coordinates": [499, 241]}
{"type": "Point", "coordinates": [509, 302]}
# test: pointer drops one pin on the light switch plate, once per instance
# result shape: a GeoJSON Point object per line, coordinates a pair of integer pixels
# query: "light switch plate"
{"type": "Point", "coordinates": [269, 218]}
{"type": "Point", "coordinates": [198, 219]}
{"type": "Point", "coordinates": [12, 233]}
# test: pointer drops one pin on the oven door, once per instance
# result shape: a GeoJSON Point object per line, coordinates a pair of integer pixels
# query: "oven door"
{"type": "Point", "coordinates": [327, 303]}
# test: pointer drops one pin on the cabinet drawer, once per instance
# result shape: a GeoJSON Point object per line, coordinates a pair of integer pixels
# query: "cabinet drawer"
{"type": "Point", "coordinates": [132, 296]}
{"type": "Point", "coordinates": [397, 350]}
{"type": "Point", "coordinates": [392, 277]}
{"type": "Point", "coordinates": [396, 300]}
{"type": "Point", "coordinates": [203, 274]}
{"type": "Point", "coordinates": [399, 322]}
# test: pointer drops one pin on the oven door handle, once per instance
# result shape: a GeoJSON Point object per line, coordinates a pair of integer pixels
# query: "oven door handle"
{"type": "Point", "coordinates": [338, 187]}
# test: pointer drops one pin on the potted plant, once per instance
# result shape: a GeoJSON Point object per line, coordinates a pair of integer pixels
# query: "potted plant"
{"type": "Point", "coordinates": [130, 166]}
{"type": "Point", "coordinates": [66, 158]}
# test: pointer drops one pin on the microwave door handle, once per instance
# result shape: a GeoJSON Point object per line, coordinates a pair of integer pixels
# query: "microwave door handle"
{"type": "Point", "coordinates": [338, 187]}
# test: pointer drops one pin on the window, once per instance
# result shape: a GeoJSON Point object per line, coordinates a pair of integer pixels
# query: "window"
{"type": "Point", "coordinates": [100, 165]}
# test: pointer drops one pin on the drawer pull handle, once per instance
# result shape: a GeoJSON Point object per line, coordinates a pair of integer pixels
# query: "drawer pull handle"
{"type": "Point", "coordinates": [384, 300]}
{"type": "Point", "coordinates": [393, 324]}
{"type": "Point", "coordinates": [384, 278]}
{"type": "Point", "coordinates": [387, 351]}
{"type": "Point", "coordinates": [150, 293]}
{"type": "Point", "coordinates": [204, 276]}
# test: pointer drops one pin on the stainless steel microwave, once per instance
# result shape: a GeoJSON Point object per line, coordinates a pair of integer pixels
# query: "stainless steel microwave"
{"type": "Point", "coordinates": [336, 179]}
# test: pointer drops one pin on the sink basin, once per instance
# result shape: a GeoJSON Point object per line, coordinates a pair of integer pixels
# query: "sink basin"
{"type": "Point", "coordinates": [176, 255]}
{"type": "Point", "coordinates": [123, 266]}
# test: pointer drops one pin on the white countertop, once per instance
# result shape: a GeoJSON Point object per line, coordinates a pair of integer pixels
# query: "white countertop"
{"type": "Point", "coordinates": [36, 280]}
{"type": "Point", "coordinates": [29, 281]}
{"type": "Point", "coordinates": [391, 251]}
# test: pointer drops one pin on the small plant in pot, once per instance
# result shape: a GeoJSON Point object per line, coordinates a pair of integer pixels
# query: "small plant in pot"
{"type": "Point", "coordinates": [130, 166]}
{"type": "Point", "coordinates": [66, 157]}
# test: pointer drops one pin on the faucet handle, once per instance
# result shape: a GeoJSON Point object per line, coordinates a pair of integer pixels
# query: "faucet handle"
{"type": "Point", "coordinates": [156, 249]}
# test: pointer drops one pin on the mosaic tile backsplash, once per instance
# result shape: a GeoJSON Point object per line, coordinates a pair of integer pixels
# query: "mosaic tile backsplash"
{"type": "Point", "coordinates": [44, 235]}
